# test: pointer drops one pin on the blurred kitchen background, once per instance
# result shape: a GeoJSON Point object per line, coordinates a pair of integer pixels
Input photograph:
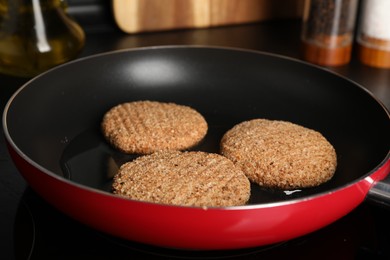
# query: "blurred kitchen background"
{"type": "Point", "coordinates": [323, 32]}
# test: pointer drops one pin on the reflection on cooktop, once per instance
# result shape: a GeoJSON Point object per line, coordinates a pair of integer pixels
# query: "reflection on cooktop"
{"type": "Point", "coordinates": [42, 232]}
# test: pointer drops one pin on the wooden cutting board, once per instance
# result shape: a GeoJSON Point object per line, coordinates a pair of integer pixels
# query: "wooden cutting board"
{"type": "Point", "coordinates": [133, 16]}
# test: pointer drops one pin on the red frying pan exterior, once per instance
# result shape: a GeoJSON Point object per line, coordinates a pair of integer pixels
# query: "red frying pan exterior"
{"type": "Point", "coordinates": [190, 227]}
{"type": "Point", "coordinates": [197, 228]}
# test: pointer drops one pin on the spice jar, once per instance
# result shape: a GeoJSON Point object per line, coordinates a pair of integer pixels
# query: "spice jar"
{"type": "Point", "coordinates": [36, 35]}
{"type": "Point", "coordinates": [374, 33]}
{"type": "Point", "coordinates": [328, 31]}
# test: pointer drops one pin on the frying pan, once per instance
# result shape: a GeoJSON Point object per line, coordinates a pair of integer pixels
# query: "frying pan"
{"type": "Point", "coordinates": [52, 128]}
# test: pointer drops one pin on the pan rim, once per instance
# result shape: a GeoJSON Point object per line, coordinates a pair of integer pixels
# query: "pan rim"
{"type": "Point", "coordinates": [229, 208]}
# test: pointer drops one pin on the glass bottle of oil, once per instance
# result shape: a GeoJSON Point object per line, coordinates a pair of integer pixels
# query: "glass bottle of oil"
{"type": "Point", "coordinates": [36, 35]}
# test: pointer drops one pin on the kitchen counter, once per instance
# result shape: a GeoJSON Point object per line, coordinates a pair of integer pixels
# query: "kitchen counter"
{"type": "Point", "coordinates": [363, 233]}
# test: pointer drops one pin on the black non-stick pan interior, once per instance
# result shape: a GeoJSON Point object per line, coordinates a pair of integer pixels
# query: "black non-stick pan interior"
{"type": "Point", "coordinates": [55, 119]}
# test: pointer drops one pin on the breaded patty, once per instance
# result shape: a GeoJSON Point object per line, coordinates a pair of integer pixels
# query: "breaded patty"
{"type": "Point", "coordinates": [183, 178]}
{"type": "Point", "coordinates": [280, 154]}
{"type": "Point", "coordinates": [144, 127]}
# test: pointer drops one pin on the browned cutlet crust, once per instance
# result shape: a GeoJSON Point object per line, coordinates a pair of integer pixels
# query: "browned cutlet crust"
{"type": "Point", "coordinates": [197, 179]}
{"type": "Point", "coordinates": [280, 154]}
{"type": "Point", "coordinates": [144, 127]}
